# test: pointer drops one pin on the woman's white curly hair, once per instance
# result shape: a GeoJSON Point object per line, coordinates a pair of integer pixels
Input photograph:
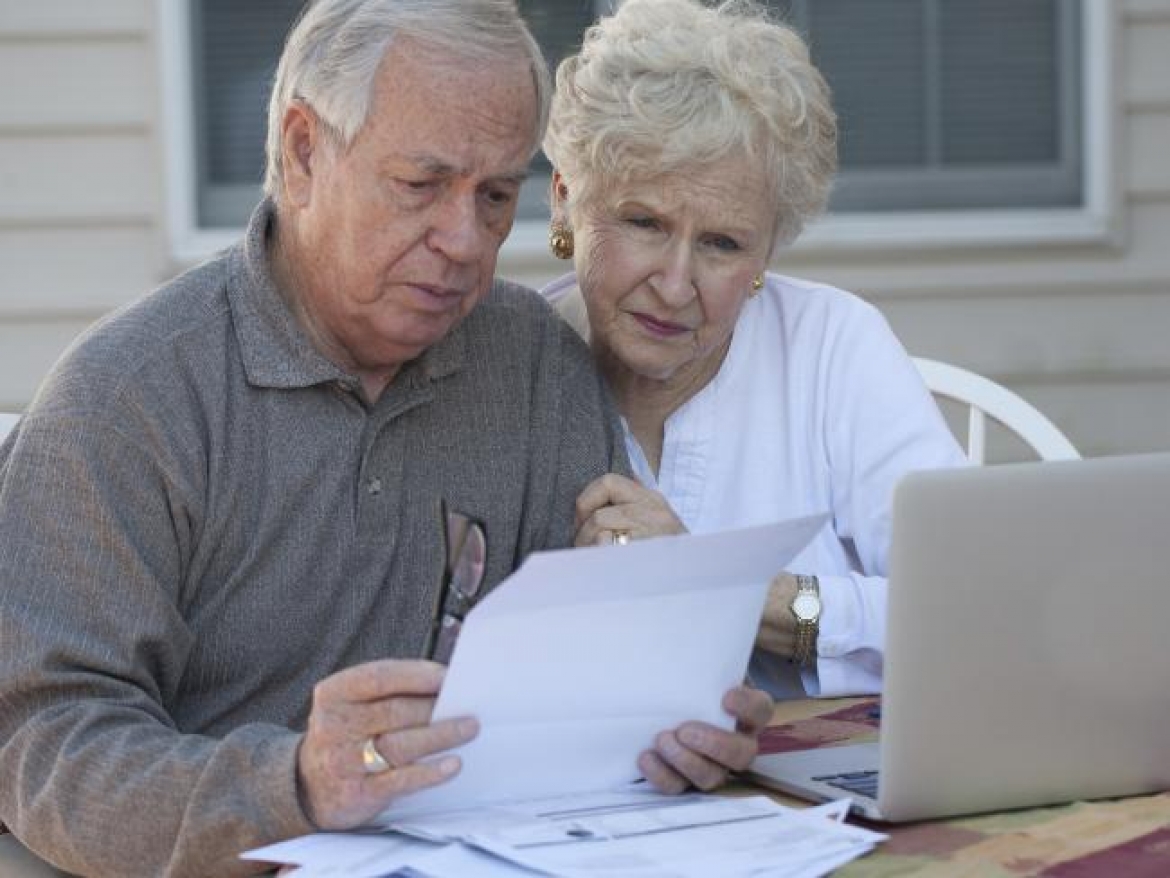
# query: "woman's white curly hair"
{"type": "Point", "coordinates": [665, 86]}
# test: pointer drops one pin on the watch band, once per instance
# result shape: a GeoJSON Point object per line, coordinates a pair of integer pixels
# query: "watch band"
{"type": "Point", "coordinates": [807, 624]}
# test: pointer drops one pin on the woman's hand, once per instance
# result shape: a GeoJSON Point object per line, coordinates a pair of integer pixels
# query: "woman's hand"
{"type": "Point", "coordinates": [615, 504]}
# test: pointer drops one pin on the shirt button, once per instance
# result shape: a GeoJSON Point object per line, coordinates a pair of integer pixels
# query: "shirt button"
{"type": "Point", "coordinates": [374, 486]}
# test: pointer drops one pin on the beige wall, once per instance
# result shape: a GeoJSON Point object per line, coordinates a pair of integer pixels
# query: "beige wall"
{"type": "Point", "coordinates": [1080, 330]}
{"type": "Point", "coordinates": [80, 228]}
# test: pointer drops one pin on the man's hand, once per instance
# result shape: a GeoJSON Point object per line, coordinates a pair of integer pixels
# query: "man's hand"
{"type": "Point", "coordinates": [391, 703]}
{"type": "Point", "coordinates": [701, 755]}
{"type": "Point", "coordinates": [615, 504]}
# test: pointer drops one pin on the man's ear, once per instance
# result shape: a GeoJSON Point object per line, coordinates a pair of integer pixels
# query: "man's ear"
{"type": "Point", "coordinates": [301, 137]}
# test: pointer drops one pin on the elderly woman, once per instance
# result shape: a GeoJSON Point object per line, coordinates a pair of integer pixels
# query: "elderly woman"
{"type": "Point", "coordinates": [690, 144]}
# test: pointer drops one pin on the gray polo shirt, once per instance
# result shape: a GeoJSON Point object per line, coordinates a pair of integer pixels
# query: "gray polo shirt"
{"type": "Point", "coordinates": [199, 519]}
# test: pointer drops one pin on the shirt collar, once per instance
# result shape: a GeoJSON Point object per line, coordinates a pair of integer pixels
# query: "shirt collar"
{"type": "Point", "coordinates": [276, 351]}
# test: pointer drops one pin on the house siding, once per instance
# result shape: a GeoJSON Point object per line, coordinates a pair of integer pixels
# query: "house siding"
{"type": "Point", "coordinates": [1079, 330]}
{"type": "Point", "coordinates": [80, 225]}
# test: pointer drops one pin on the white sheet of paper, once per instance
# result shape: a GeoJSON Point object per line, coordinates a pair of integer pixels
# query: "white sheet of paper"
{"type": "Point", "coordinates": [339, 855]}
{"type": "Point", "coordinates": [463, 861]}
{"type": "Point", "coordinates": [634, 833]}
{"type": "Point", "coordinates": [575, 662]}
{"type": "Point", "coordinates": [538, 821]}
{"type": "Point", "coordinates": [655, 836]}
{"type": "Point", "coordinates": [345, 854]}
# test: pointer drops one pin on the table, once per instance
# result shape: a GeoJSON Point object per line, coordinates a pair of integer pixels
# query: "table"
{"type": "Point", "coordinates": [1126, 838]}
{"type": "Point", "coordinates": [1129, 838]}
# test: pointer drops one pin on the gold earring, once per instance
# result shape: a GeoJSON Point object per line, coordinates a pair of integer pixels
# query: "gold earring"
{"type": "Point", "coordinates": [560, 240]}
{"type": "Point", "coordinates": [757, 284]}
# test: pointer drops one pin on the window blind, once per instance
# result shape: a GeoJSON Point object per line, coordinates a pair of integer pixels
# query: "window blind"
{"type": "Point", "coordinates": [943, 104]}
{"type": "Point", "coordinates": [951, 104]}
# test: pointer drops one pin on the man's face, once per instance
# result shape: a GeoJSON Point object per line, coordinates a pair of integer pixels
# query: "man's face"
{"type": "Point", "coordinates": [398, 235]}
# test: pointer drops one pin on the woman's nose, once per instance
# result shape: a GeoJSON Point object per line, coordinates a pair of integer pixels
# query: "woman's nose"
{"type": "Point", "coordinates": [674, 281]}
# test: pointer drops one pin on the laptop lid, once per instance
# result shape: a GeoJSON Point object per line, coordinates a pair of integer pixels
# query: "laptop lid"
{"type": "Point", "coordinates": [1028, 657]}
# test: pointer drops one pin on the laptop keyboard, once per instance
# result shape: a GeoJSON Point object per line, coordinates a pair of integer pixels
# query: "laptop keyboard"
{"type": "Point", "coordinates": [863, 783]}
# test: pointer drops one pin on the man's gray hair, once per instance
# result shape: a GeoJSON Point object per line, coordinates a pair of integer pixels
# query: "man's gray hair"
{"type": "Point", "coordinates": [332, 55]}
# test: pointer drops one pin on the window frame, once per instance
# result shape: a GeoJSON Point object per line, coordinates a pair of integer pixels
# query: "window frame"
{"type": "Point", "coordinates": [1095, 221]}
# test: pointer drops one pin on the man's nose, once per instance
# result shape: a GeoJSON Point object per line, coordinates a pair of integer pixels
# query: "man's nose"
{"type": "Point", "coordinates": [457, 230]}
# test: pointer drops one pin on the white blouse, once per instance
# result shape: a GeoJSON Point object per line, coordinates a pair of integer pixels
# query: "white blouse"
{"type": "Point", "coordinates": [817, 408]}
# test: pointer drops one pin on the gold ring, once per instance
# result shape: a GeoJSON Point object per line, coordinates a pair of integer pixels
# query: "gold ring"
{"type": "Point", "coordinates": [373, 761]}
{"type": "Point", "coordinates": [619, 537]}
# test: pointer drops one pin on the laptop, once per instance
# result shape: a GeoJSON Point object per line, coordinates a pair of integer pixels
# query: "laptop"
{"type": "Point", "coordinates": [1028, 645]}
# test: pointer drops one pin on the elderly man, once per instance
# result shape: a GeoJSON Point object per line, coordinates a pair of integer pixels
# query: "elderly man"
{"type": "Point", "coordinates": [220, 540]}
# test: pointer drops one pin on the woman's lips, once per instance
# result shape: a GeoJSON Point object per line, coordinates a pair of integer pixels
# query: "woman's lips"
{"type": "Point", "coordinates": [660, 328]}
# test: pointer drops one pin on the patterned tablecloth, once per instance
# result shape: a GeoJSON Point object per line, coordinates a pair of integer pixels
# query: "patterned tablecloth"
{"type": "Point", "coordinates": [1127, 838]}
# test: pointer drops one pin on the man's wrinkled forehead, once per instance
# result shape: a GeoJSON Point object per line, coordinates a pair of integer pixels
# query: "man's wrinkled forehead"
{"type": "Point", "coordinates": [432, 68]}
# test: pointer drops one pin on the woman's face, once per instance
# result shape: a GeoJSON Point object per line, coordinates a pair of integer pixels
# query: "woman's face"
{"type": "Point", "coordinates": [666, 264]}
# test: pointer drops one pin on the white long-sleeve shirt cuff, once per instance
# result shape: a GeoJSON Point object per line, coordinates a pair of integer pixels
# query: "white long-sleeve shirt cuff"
{"type": "Point", "coordinates": [852, 636]}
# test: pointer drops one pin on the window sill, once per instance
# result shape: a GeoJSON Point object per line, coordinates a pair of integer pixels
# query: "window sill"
{"type": "Point", "coordinates": [865, 232]}
{"type": "Point", "coordinates": [836, 234]}
{"type": "Point", "coordinates": [960, 230]}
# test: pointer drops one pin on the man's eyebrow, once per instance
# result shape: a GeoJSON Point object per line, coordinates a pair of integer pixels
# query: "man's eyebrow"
{"type": "Point", "coordinates": [516, 177]}
{"type": "Point", "coordinates": [432, 165]}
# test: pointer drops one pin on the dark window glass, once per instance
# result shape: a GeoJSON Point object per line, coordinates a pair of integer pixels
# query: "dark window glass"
{"type": "Point", "coordinates": [951, 104]}
{"type": "Point", "coordinates": [943, 104]}
{"type": "Point", "coordinates": [235, 50]}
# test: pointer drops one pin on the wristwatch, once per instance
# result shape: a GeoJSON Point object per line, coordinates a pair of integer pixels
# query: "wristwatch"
{"type": "Point", "coordinates": [806, 607]}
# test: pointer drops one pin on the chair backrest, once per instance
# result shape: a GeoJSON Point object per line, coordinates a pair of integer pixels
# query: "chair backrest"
{"type": "Point", "coordinates": [7, 422]}
{"type": "Point", "coordinates": [984, 398]}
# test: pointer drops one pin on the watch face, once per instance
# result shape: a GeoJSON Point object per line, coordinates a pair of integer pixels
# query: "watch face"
{"type": "Point", "coordinates": [806, 607]}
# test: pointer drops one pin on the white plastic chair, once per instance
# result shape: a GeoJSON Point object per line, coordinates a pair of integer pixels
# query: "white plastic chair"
{"type": "Point", "coordinates": [7, 422]}
{"type": "Point", "coordinates": [986, 399]}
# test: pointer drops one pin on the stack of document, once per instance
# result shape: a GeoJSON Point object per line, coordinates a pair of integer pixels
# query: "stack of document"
{"type": "Point", "coordinates": [619, 835]}
{"type": "Point", "coordinates": [572, 666]}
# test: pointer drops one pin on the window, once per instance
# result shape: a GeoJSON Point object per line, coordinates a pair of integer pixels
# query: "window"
{"type": "Point", "coordinates": [951, 104]}
{"type": "Point", "coordinates": [234, 51]}
{"type": "Point", "coordinates": [948, 106]}
{"type": "Point", "coordinates": [235, 47]}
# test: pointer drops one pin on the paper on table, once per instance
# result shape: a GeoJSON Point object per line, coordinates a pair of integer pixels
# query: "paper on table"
{"type": "Point", "coordinates": [353, 855]}
{"type": "Point", "coordinates": [616, 835]}
{"type": "Point", "coordinates": [345, 854]}
{"type": "Point", "coordinates": [703, 836]}
{"type": "Point", "coordinates": [575, 662]}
